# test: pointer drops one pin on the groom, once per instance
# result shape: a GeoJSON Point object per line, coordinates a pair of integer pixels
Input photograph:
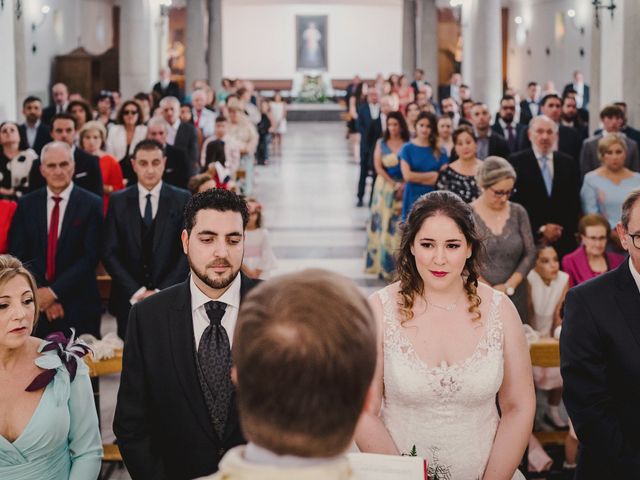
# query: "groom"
{"type": "Point", "coordinates": [176, 414]}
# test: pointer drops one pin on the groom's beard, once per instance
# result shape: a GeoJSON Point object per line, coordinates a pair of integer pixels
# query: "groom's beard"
{"type": "Point", "coordinates": [219, 282]}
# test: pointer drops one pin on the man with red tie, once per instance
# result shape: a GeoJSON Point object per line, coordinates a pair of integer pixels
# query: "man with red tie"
{"type": "Point", "coordinates": [56, 232]}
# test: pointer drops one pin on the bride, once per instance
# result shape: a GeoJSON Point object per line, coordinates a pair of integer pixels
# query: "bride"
{"type": "Point", "coordinates": [448, 346]}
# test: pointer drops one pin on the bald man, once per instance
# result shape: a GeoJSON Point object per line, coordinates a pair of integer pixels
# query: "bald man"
{"type": "Point", "coordinates": [60, 101]}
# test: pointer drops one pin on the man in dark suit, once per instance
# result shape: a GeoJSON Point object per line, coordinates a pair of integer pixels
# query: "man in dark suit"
{"type": "Point", "coordinates": [451, 89]}
{"type": "Point", "coordinates": [629, 131]}
{"type": "Point", "coordinates": [60, 96]}
{"type": "Point", "coordinates": [489, 143]}
{"type": "Point", "coordinates": [547, 186]}
{"type": "Point", "coordinates": [570, 118]}
{"type": "Point", "coordinates": [505, 126]}
{"type": "Point", "coordinates": [529, 107]}
{"type": "Point", "coordinates": [56, 232]}
{"type": "Point", "coordinates": [180, 134]}
{"type": "Point", "coordinates": [142, 250]}
{"type": "Point", "coordinates": [418, 81]}
{"type": "Point", "coordinates": [568, 141]}
{"type": "Point", "coordinates": [581, 89]}
{"type": "Point", "coordinates": [600, 348]}
{"type": "Point", "coordinates": [166, 87]}
{"type": "Point", "coordinates": [176, 414]}
{"type": "Point", "coordinates": [368, 123]}
{"type": "Point", "coordinates": [33, 133]}
{"type": "Point", "coordinates": [86, 173]}
{"type": "Point", "coordinates": [176, 171]}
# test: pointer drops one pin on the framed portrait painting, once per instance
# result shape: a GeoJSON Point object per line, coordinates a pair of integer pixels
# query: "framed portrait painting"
{"type": "Point", "coordinates": [311, 42]}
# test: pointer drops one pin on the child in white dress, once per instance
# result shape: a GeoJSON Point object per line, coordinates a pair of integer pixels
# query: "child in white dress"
{"type": "Point", "coordinates": [259, 259]}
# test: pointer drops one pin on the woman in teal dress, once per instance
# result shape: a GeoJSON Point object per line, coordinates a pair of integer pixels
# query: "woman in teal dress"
{"type": "Point", "coordinates": [49, 426]}
{"type": "Point", "coordinates": [421, 160]}
{"type": "Point", "coordinates": [383, 237]}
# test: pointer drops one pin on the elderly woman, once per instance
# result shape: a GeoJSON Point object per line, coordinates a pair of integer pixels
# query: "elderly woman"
{"type": "Point", "coordinates": [245, 135]}
{"type": "Point", "coordinates": [459, 177]}
{"type": "Point", "coordinates": [605, 188]}
{"type": "Point", "coordinates": [15, 164]}
{"type": "Point", "coordinates": [49, 426]}
{"type": "Point", "coordinates": [504, 225]}
{"type": "Point", "coordinates": [128, 132]}
{"type": "Point", "coordinates": [92, 137]}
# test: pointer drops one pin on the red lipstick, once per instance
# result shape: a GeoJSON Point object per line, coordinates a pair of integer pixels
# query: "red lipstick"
{"type": "Point", "coordinates": [438, 274]}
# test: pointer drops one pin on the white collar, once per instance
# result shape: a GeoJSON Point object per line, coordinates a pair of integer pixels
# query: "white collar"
{"type": "Point", "coordinates": [259, 455]}
{"type": "Point", "coordinates": [63, 194]}
{"type": "Point", "coordinates": [231, 296]}
{"type": "Point", "coordinates": [539, 155]}
{"type": "Point", "coordinates": [634, 272]}
{"type": "Point", "coordinates": [155, 191]}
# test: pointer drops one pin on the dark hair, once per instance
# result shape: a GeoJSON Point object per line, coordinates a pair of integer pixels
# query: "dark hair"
{"type": "Point", "coordinates": [63, 116]}
{"type": "Point", "coordinates": [120, 117]}
{"type": "Point", "coordinates": [88, 115]}
{"type": "Point", "coordinates": [433, 136]}
{"type": "Point", "coordinates": [197, 181]}
{"type": "Point", "coordinates": [463, 129]}
{"type": "Point", "coordinates": [549, 96]}
{"type": "Point", "coordinates": [627, 206]}
{"type": "Point", "coordinates": [464, 85]}
{"type": "Point", "coordinates": [215, 199]}
{"type": "Point", "coordinates": [450, 205]}
{"type": "Point", "coordinates": [612, 111]}
{"type": "Point", "coordinates": [30, 99]}
{"type": "Point", "coordinates": [568, 97]}
{"type": "Point", "coordinates": [405, 134]}
{"type": "Point", "coordinates": [507, 98]}
{"type": "Point", "coordinates": [532, 84]}
{"type": "Point", "coordinates": [147, 144]}
{"type": "Point", "coordinates": [104, 94]}
{"type": "Point", "coordinates": [220, 119]}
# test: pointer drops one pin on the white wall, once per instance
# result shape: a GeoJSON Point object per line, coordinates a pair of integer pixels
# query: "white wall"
{"type": "Point", "coordinates": [259, 37]}
{"type": "Point", "coordinates": [538, 32]}
{"type": "Point", "coordinates": [7, 60]}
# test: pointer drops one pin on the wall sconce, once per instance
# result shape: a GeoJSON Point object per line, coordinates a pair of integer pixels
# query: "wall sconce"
{"type": "Point", "coordinates": [165, 6]}
{"type": "Point", "coordinates": [518, 20]}
{"type": "Point", "coordinates": [44, 11]}
{"type": "Point", "coordinates": [599, 5]}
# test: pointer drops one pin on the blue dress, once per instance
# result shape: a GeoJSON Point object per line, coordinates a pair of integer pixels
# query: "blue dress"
{"type": "Point", "coordinates": [601, 195]}
{"type": "Point", "coordinates": [420, 159]}
{"type": "Point", "coordinates": [62, 439]}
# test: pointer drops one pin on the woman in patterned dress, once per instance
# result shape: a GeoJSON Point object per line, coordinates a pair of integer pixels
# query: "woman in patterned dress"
{"type": "Point", "coordinates": [460, 176]}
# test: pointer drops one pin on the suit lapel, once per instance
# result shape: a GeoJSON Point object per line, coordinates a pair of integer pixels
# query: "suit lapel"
{"type": "Point", "coordinates": [133, 214]}
{"type": "Point", "coordinates": [537, 176]}
{"type": "Point", "coordinates": [162, 216]}
{"type": "Point", "coordinates": [628, 299]}
{"type": "Point", "coordinates": [69, 213]}
{"type": "Point", "coordinates": [183, 352]}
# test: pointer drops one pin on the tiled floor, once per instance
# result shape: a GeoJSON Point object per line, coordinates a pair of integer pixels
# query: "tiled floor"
{"type": "Point", "coordinates": [308, 197]}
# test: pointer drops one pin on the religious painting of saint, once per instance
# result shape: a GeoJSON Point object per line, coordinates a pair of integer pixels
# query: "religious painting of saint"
{"type": "Point", "coordinates": [311, 45]}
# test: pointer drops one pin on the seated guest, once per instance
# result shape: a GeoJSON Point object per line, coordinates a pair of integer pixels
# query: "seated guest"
{"type": "Point", "coordinates": [57, 232]}
{"type": "Point", "coordinates": [505, 124]}
{"type": "Point", "coordinates": [459, 176]}
{"type": "Point", "coordinates": [127, 132]}
{"type": "Point", "coordinates": [142, 250]}
{"type": "Point", "coordinates": [176, 171]}
{"type": "Point", "coordinates": [7, 210]}
{"type": "Point", "coordinates": [294, 427]}
{"type": "Point", "coordinates": [605, 188]}
{"type": "Point", "coordinates": [33, 133]}
{"type": "Point", "coordinates": [591, 258]}
{"type": "Point", "coordinates": [182, 135]}
{"type": "Point", "coordinates": [81, 111]}
{"type": "Point", "coordinates": [221, 145]}
{"type": "Point", "coordinates": [92, 137]}
{"type": "Point", "coordinates": [547, 186]}
{"type": "Point", "coordinates": [86, 171]}
{"type": "Point", "coordinates": [612, 118]}
{"type": "Point", "coordinates": [47, 433]}
{"type": "Point", "coordinates": [15, 163]}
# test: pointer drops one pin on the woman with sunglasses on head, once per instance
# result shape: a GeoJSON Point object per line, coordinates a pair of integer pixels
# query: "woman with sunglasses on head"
{"type": "Point", "coordinates": [123, 137]}
{"type": "Point", "coordinates": [505, 227]}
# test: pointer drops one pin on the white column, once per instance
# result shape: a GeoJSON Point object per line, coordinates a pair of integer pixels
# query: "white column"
{"type": "Point", "coordinates": [409, 37]}
{"type": "Point", "coordinates": [214, 53]}
{"type": "Point", "coordinates": [630, 63]}
{"type": "Point", "coordinates": [427, 51]}
{"type": "Point", "coordinates": [20, 49]}
{"type": "Point", "coordinates": [8, 90]}
{"type": "Point", "coordinates": [482, 50]}
{"type": "Point", "coordinates": [196, 37]}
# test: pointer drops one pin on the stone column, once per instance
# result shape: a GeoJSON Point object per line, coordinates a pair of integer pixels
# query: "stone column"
{"type": "Point", "coordinates": [196, 37]}
{"type": "Point", "coordinates": [137, 29]}
{"type": "Point", "coordinates": [428, 48]}
{"type": "Point", "coordinates": [409, 37]}
{"type": "Point", "coordinates": [482, 51]}
{"type": "Point", "coordinates": [8, 92]}
{"type": "Point", "coordinates": [630, 63]}
{"type": "Point", "coordinates": [20, 49]}
{"type": "Point", "coordinates": [215, 43]}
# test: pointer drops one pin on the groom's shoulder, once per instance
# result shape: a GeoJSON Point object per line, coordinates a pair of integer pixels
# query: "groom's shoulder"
{"type": "Point", "coordinates": [165, 299]}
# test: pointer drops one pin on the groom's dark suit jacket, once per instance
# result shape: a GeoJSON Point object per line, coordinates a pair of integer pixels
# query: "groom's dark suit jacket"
{"type": "Point", "coordinates": [600, 364]}
{"type": "Point", "coordinates": [162, 423]}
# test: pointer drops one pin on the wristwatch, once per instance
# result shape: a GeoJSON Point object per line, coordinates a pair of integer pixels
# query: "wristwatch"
{"type": "Point", "coordinates": [510, 291]}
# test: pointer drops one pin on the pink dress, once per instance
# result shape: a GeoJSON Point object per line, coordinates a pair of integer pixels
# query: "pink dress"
{"type": "Point", "coordinates": [577, 266]}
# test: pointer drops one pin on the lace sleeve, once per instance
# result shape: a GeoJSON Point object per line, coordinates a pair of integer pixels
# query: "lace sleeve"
{"type": "Point", "coordinates": [528, 258]}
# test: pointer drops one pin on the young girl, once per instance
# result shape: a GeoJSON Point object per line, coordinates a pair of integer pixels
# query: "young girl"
{"type": "Point", "coordinates": [259, 259]}
{"type": "Point", "coordinates": [547, 288]}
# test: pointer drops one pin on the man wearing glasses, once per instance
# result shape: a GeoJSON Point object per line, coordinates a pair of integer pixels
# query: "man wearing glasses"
{"type": "Point", "coordinates": [600, 361]}
{"type": "Point", "coordinates": [506, 125]}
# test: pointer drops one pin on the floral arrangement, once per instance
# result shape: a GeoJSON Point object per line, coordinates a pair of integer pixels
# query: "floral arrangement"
{"type": "Point", "coordinates": [435, 470]}
{"type": "Point", "coordinates": [312, 90]}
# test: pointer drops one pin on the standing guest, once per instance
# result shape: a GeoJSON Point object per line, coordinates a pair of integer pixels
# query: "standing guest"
{"type": "Point", "coordinates": [7, 211]}
{"type": "Point", "coordinates": [60, 97]}
{"type": "Point", "coordinates": [505, 125]}
{"type": "Point", "coordinates": [530, 106]}
{"type": "Point", "coordinates": [370, 128]}
{"type": "Point", "coordinates": [445, 133]}
{"type": "Point", "coordinates": [166, 87]}
{"type": "Point", "coordinates": [105, 105]}
{"type": "Point", "coordinates": [600, 347]}
{"type": "Point", "coordinates": [489, 143]}
{"type": "Point", "coordinates": [57, 231]}
{"type": "Point", "coordinates": [92, 139]}
{"type": "Point", "coordinates": [181, 135]}
{"type": "Point", "coordinates": [176, 170]}
{"type": "Point", "coordinates": [612, 118]}
{"type": "Point", "coordinates": [591, 258]}
{"type": "Point", "coordinates": [145, 102]}
{"type": "Point", "coordinates": [33, 133]}
{"type": "Point", "coordinates": [418, 81]}
{"type": "Point", "coordinates": [630, 132]}
{"type": "Point", "coordinates": [127, 133]}
{"type": "Point", "coordinates": [571, 119]}
{"type": "Point", "coordinates": [605, 188]}
{"type": "Point", "coordinates": [296, 316]}
{"type": "Point", "coordinates": [245, 135]}
{"type": "Point", "coordinates": [142, 248]}
{"type": "Point", "coordinates": [465, 107]}
{"type": "Point", "coordinates": [179, 353]}
{"type": "Point", "coordinates": [386, 207]}
{"type": "Point", "coordinates": [459, 176]}
{"type": "Point", "coordinates": [49, 428]}
{"type": "Point", "coordinates": [279, 115]}
{"type": "Point", "coordinates": [186, 116]}
{"type": "Point", "coordinates": [581, 89]}
{"type": "Point", "coordinates": [358, 97]}
{"type": "Point", "coordinates": [15, 163]}
{"type": "Point", "coordinates": [81, 111]}
{"type": "Point", "coordinates": [264, 127]}
{"type": "Point", "coordinates": [451, 108]}
{"type": "Point", "coordinates": [504, 225]}
{"type": "Point", "coordinates": [420, 161]}
{"type": "Point", "coordinates": [86, 169]}
{"type": "Point", "coordinates": [406, 94]}
{"type": "Point", "coordinates": [411, 115]}
{"type": "Point", "coordinates": [259, 260]}
{"type": "Point", "coordinates": [221, 147]}
{"type": "Point", "coordinates": [452, 89]}
{"type": "Point", "coordinates": [203, 118]}
{"type": "Point", "coordinates": [547, 186]}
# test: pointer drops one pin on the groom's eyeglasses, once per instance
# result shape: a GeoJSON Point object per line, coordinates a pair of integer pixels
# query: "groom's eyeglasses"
{"type": "Point", "coordinates": [635, 239]}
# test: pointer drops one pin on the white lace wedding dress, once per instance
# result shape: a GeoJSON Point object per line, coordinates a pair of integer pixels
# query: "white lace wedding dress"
{"type": "Point", "coordinates": [448, 411]}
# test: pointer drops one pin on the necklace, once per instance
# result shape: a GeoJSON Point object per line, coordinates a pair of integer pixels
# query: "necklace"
{"type": "Point", "coordinates": [449, 307]}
